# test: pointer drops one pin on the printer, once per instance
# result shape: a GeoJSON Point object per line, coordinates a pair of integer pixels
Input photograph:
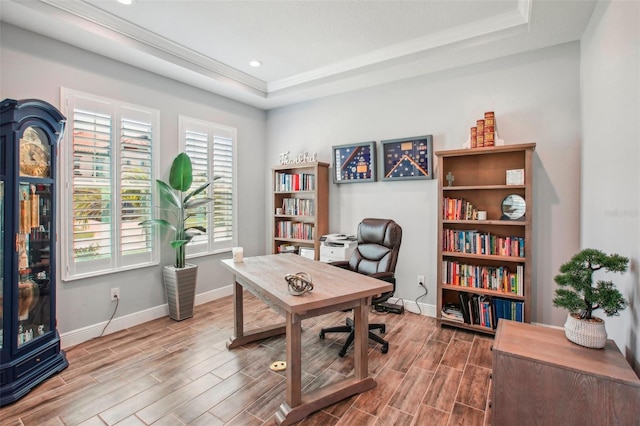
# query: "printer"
{"type": "Point", "coordinates": [335, 247]}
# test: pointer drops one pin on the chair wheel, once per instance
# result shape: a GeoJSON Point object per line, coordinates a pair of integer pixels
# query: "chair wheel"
{"type": "Point", "coordinates": [383, 329]}
{"type": "Point", "coordinates": [321, 335]}
{"type": "Point", "coordinates": [385, 348]}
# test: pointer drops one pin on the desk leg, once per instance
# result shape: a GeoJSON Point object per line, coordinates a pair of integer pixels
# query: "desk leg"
{"type": "Point", "coordinates": [298, 406]}
{"type": "Point", "coordinates": [241, 338]}
{"type": "Point", "coordinates": [238, 312]}
{"type": "Point", "coordinates": [294, 360]}
{"type": "Point", "coordinates": [238, 317]}
{"type": "Point", "coordinates": [361, 347]}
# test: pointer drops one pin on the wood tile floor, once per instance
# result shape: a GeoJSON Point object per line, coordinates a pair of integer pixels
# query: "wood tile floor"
{"type": "Point", "coordinates": [174, 373]}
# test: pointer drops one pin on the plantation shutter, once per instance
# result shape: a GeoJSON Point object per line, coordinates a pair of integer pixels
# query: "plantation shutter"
{"type": "Point", "coordinates": [197, 148]}
{"type": "Point", "coordinates": [211, 149]}
{"type": "Point", "coordinates": [136, 183]}
{"type": "Point", "coordinates": [223, 191]}
{"type": "Point", "coordinates": [92, 231]}
{"type": "Point", "coordinates": [108, 187]}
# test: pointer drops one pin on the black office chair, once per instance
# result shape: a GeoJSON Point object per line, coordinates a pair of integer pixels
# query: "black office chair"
{"type": "Point", "coordinates": [376, 256]}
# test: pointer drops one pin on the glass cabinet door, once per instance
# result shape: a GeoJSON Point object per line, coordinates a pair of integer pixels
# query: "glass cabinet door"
{"type": "Point", "coordinates": [33, 241]}
{"type": "Point", "coordinates": [2, 264]}
{"type": "Point", "coordinates": [29, 342]}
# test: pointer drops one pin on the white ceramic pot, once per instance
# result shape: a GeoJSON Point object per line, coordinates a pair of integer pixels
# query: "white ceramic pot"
{"type": "Point", "coordinates": [588, 333]}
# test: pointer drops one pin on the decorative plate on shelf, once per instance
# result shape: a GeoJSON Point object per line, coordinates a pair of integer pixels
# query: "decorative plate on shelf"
{"type": "Point", "coordinates": [513, 207]}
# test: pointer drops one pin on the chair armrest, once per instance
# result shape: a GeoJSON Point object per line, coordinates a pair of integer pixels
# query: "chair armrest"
{"type": "Point", "coordinates": [384, 276]}
{"type": "Point", "coordinates": [344, 264]}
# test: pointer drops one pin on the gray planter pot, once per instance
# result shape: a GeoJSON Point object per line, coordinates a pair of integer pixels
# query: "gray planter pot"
{"type": "Point", "coordinates": [180, 286]}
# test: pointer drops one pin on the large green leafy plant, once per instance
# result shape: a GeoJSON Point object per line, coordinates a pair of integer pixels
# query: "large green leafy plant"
{"type": "Point", "coordinates": [180, 205]}
{"type": "Point", "coordinates": [579, 294]}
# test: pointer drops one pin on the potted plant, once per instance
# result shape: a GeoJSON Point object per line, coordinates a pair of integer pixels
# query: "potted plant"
{"type": "Point", "coordinates": [581, 296]}
{"type": "Point", "coordinates": [180, 278]}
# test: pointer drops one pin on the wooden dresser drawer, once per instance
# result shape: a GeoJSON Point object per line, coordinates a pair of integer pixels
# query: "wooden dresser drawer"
{"type": "Point", "coordinates": [541, 378]}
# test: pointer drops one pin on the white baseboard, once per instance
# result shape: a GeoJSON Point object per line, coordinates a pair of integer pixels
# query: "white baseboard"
{"type": "Point", "coordinates": [81, 335]}
{"type": "Point", "coordinates": [416, 308]}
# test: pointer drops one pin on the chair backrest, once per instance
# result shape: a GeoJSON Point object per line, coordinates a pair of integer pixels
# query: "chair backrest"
{"type": "Point", "coordinates": [378, 246]}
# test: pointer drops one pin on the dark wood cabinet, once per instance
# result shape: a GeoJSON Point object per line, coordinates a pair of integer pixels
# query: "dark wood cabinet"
{"type": "Point", "coordinates": [29, 341]}
{"type": "Point", "coordinates": [541, 378]}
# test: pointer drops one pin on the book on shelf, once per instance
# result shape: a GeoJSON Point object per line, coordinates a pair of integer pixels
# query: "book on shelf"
{"type": "Point", "coordinates": [497, 278]}
{"type": "Point", "coordinates": [476, 242]}
{"type": "Point", "coordinates": [483, 310]}
{"type": "Point", "coordinates": [298, 207]}
{"type": "Point", "coordinates": [289, 182]}
{"type": "Point", "coordinates": [295, 230]}
{"type": "Point", "coordinates": [287, 248]}
{"type": "Point", "coordinates": [459, 209]}
{"type": "Point", "coordinates": [464, 306]}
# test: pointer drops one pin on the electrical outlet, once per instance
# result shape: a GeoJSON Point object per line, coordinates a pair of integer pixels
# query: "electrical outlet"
{"type": "Point", "coordinates": [115, 293]}
{"type": "Point", "coordinates": [420, 280]}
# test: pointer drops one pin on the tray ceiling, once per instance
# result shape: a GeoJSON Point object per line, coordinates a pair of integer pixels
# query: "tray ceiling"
{"type": "Point", "coordinates": [308, 49]}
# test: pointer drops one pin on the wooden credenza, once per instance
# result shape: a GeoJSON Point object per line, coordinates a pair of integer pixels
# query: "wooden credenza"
{"type": "Point", "coordinates": [541, 378]}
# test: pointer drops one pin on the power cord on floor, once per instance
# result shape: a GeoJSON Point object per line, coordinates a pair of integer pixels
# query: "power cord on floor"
{"type": "Point", "coordinates": [112, 315]}
{"type": "Point", "coordinates": [420, 297]}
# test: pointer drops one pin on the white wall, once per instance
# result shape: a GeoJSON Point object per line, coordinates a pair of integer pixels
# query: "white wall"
{"type": "Point", "coordinates": [536, 99]}
{"type": "Point", "coordinates": [32, 66]}
{"type": "Point", "coordinates": [610, 88]}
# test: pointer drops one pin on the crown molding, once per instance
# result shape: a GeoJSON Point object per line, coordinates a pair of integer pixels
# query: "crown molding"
{"type": "Point", "coordinates": [505, 21]}
{"type": "Point", "coordinates": [99, 22]}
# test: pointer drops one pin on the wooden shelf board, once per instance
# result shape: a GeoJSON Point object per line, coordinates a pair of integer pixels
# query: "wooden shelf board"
{"type": "Point", "coordinates": [484, 291]}
{"type": "Point", "coordinates": [481, 187]}
{"type": "Point", "coordinates": [487, 222]}
{"type": "Point", "coordinates": [485, 256]}
{"type": "Point", "coordinates": [467, 326]}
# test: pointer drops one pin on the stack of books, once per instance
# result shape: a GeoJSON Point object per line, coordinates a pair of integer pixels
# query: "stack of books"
{"type": "Point", "coordinates": [452, 312]}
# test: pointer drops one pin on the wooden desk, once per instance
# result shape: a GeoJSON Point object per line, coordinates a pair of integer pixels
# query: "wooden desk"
{"type": "Point", "coordinates": [541, 378]}
{"type": "Point", "coordinates": [334, 289]}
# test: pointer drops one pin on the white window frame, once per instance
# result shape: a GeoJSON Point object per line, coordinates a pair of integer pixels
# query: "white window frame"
{"type": "Point", "coordinates": [117, 110]}
{"type": "Point", "coordinates": [205, 245]}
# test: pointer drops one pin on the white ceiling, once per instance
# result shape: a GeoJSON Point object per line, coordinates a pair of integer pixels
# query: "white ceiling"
{"type": "Point", "coordinates": [309, 49]}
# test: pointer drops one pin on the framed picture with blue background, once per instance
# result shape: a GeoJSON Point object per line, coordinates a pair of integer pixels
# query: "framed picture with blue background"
{"type": "Point", "coordinates": [354, 163]}
{"type": "Point", "coordinates": [407, 158]}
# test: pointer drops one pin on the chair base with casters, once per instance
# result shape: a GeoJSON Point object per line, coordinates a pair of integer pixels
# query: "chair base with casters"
{"type": "Point", "coordinates": [349, 328]}
{"type": "Point", "coordinates": [376, 256]}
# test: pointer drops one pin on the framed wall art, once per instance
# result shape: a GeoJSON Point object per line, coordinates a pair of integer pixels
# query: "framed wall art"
{"type": "Point", "coordinates": [354, 163]}
{"type": "Point", "coordinates": [407, 158]}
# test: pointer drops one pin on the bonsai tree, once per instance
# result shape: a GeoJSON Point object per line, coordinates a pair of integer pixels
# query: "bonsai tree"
{"type": "Point", "coordinates": [180, 205]}
{"type": "Point", "coordinates": [579, 295]}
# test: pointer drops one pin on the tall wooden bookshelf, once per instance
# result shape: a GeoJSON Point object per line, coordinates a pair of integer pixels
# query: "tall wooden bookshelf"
{"type": "Point", "coordinates": [302, 192]}
{"type": "Point", "coordinates": [483, 259]}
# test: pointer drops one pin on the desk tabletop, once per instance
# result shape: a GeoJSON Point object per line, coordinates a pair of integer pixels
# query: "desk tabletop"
{"type": "Point", "coordinates": [332, 286]}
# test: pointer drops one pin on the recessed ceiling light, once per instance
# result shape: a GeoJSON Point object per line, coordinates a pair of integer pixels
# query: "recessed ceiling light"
{"type": "Point", "coordinates": [255, 63]}
{"type": "Point", "coordinates": [126, 2]}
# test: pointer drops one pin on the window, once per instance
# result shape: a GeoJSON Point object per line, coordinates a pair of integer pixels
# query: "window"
{"type": "Point", "coordinates": [211, 148]}
{"type": "Point", "coordinates": [108, 172]}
